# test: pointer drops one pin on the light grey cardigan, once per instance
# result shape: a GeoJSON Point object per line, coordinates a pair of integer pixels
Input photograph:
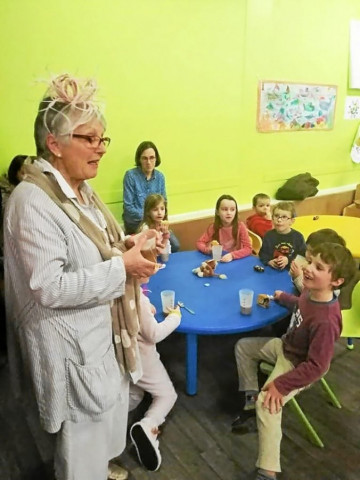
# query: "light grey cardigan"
{"type": "Point", "coordinates": [58, 296]}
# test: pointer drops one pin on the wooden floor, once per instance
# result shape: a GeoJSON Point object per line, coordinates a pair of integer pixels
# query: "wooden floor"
{"type": "Point", "coordinates": [197, 442]}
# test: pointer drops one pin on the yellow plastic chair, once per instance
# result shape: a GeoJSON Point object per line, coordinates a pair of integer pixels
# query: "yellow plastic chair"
{"type": "Point", "coordinates": [256, 242]}
{"type": "Point", "coordinates": [351, 318]}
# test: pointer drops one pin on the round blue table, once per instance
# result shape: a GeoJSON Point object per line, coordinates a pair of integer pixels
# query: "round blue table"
{"type": "Point", "coordinates": [216, 307]}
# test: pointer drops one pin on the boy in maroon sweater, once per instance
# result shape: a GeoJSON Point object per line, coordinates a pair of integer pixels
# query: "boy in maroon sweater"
{"type": "Point", "coordinates": [301, 356]}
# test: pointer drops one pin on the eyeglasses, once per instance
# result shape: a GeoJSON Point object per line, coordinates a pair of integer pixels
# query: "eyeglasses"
{"type": "Point", "coordinates": [281, 217]}
{"type": "Point", "coordinates": [94, 141]}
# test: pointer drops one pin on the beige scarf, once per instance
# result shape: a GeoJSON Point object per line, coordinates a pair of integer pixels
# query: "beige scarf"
{"type": "Point", "coordinates": [126, 309]}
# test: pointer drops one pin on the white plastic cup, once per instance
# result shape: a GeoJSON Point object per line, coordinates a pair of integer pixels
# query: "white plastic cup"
{"type": "Point", "coordinates": [216, 252]}
{"type": "Point", "coordinates": [164, 257]}
{"type": "Point", "coordinates": [148, 250]}
{"type": "Point", "coordinates": [165, 254]}
{"type": "Point", "coordinates": [246, 297]}
{"type": "Point", "coordinates": [167, 300]}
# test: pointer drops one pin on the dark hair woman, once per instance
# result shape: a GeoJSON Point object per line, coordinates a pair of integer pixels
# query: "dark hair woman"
{"type": "Point", "coordinates": [138, 183]}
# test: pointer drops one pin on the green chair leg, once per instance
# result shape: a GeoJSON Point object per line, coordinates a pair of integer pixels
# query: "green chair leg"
{"type": "Point", "coordinates": [333, 398]}
{"type": "Point", "coordinates": [314, 437]}
{"type": "Point", "coordinates": [267, 368]}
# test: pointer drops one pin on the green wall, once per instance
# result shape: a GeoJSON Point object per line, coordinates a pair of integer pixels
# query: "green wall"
{"type": "Point", "coordinates": [184, 73]}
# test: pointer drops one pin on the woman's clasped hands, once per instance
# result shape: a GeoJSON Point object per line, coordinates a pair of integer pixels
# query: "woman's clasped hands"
{"type": "Point", "coordinates": [135, 263]}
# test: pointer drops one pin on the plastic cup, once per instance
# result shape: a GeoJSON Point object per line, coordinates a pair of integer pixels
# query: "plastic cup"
{"type": "Point", "coordinates": [216, 252]}
{"type": "Point", "coordinates": [246, 297]}
{"type": "Point", "coordinates": [164, 257]}
{"type": "Point", "coordinates": [148, 250]}
{"type": "Point", "coordinates": [166, 252]}
{"type": "Point", "coordinates": [149, 255]}
{"type": "Point", "coordinates": [167, 300]}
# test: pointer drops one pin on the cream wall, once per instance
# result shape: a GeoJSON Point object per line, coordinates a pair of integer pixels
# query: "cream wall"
{"type": "Point", "coordinates": [184, 74]}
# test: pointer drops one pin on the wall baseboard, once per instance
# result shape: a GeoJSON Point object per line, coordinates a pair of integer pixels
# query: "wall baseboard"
{"type": "Point", "coordinates": [197, 214]}
{"type": "Point", "coordinates": [188, 227]}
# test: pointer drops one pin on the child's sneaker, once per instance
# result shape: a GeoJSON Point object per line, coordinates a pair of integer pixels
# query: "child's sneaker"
{"type": "Point", "coordinates": [250, 400]}
{"type": "Point", "coordinates": [146, 444]}
{"type": "Point", "coordinates": [244, 423]}
{"type": "Point", "coordinates": [262, 476]}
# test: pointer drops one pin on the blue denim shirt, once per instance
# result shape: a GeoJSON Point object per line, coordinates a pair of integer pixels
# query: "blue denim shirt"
{"type": "Point", "coordinates": [136, 188]}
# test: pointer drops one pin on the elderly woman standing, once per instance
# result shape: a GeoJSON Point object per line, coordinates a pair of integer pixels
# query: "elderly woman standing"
{"type": "Point", "coordinates": [71, 298]}
{"type": "Point", "coordinates": [139, 183]}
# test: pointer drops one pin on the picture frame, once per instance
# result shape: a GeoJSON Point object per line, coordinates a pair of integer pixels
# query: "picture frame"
{"type": "Point", "coordinates": [290, 107]}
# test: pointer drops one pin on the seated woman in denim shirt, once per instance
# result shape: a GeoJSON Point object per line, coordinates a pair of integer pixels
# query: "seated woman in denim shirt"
{"type": "Point", "coordinates": [141, 181]}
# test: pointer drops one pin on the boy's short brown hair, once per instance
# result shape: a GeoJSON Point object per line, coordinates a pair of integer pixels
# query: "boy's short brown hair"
{"type": "Point", "coordinates": [287, 206]}
{"type": "Point", "coordinates": [259, 196]}
{"type": "Point", "coordinates": [339, 259]}
{"type": "Point", "coordinates": [324, 235]}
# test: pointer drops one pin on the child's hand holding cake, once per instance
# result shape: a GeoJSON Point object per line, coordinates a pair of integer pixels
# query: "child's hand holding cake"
{"type": "Point", "coordinates": [164, 228]}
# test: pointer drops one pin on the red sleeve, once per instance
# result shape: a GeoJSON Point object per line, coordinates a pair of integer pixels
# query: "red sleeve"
{"type": "Point", "coordinates": [244, 243]}
{"type": "Point", "coordinates": [259, 225]}
{"type": "Point", "coordinates": [288, 300]}
{"type": "Point", "coordinates": [203, 243]}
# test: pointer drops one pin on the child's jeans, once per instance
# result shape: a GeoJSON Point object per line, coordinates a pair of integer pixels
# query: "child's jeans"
{"type": "Point", "coordinates": [249, 352]}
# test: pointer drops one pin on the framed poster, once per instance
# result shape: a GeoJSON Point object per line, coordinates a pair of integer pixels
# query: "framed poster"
{"type": "Point", "coordinates": [289, 107]}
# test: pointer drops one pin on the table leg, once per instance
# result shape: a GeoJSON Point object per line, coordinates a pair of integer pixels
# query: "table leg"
{"type": "Point", "coordinates": [191, 363]}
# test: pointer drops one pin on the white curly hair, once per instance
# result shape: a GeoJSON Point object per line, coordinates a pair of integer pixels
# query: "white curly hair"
{"type": "Point", "coordinates": [67, 103]}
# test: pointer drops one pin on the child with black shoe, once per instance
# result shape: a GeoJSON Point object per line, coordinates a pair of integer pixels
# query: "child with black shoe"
{"type": "Point", "coordinates": [155, 380]}
{"type": "Point", "coordinates": [301, 356]}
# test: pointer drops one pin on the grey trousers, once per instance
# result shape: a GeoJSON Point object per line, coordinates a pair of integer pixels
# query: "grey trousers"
{"type": "Point", "coordinates": [248, 353]}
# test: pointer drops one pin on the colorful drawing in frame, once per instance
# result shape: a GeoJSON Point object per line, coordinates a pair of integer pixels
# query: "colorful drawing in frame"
{"type": "Point", "coordinates": [288, 107]}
